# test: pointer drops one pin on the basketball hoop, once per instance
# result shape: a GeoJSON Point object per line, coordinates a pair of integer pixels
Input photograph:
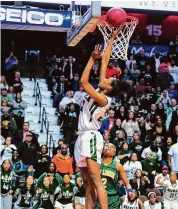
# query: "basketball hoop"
{"type": "Point", "coordinates": [121, 42]}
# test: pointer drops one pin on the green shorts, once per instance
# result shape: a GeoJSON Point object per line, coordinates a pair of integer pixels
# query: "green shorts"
{"type": "Point", "coordinates": [113, 202]}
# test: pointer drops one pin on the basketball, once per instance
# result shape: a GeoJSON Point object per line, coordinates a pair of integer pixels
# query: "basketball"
{"type": "Point", "coordinates": [116, 16]}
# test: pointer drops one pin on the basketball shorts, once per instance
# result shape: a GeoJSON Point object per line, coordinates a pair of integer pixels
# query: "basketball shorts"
{"type": "Point", "coordinates": [170, 204]}
{"type": "Point", "coordinates": [80, 200]}
{"type": "Point", "coordinates": [61, 206]}
{"type": "Point", "coordinates": [113, 202]}
{"type": "Point", "coordinates": [88, 145]}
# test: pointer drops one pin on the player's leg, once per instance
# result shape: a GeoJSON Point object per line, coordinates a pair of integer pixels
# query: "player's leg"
{"type": "Point", "coordinates": [90, 194]}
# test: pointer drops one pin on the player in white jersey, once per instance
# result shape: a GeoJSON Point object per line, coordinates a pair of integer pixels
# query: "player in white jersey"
{"type": "Point", "coordinates": [170, 194]}
{"type": "Point", "coordinates": [151, 202]}
{"type": "Point", "coordinates": [131, 202]}
{"type": "Point", "coordinates": [89, 145]}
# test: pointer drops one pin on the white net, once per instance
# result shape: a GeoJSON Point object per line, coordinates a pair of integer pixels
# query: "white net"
{"type": "Point", "coordinates": [121, 42]}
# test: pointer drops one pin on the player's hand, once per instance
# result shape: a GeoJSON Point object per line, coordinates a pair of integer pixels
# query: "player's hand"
{"type": "Point", "coordinates": [97, 53]}
{"type": "Point", "coordinates": [30, 168]}
{"type": "Point", "coordinates": [115, 32]}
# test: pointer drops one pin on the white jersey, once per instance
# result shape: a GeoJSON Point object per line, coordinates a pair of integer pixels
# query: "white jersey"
{"type": "Point", "coordinates": [130, 205]}
{"type": "Point", "coordinates": [171, 192]}
{"type": "Point", "coordinates": [164, 179]}
{"type": "Point", "coordinates": [91, 114]}
{"type": "Point", "coordinates": [147, 205]}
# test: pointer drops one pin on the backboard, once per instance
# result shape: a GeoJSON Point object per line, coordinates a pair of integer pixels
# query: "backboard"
{"type": "Point", "coordinates": [84, 17]}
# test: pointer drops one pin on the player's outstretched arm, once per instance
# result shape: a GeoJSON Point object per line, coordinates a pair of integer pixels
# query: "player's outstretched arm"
{"type": "Point", "coordinates": [106, 56]}
{"type": "Point", "coordinates": [99, 98]}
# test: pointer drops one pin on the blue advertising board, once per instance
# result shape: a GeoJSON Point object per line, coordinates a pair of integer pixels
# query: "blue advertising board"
{"type": "Point", "coordinates": [22, 18]}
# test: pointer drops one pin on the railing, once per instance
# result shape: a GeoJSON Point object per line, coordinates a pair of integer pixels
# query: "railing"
{"type": "Point", "coordinates": [45, 124]}
{"type": "Point", "coordinates": [38, 99]}
{"type": "Point", "coordinates": [51, 145]}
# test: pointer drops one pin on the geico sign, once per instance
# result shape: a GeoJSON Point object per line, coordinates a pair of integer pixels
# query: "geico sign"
{"type": "Point", "coordinates": [32, 17]}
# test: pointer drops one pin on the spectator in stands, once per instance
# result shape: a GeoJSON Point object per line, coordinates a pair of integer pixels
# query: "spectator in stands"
{"type": "Point", "coordinates": [9, 126]}
{"type": "Point", "coordinates": [117, 127]}
{"type": "Point", "coordinates": [135, 73]}
{"type": "Point", "coordinates": [79, 96]}
{"type": "Point", "coordinates": [11, 92]}
{"type": "Point", "coordinates": [163, 68]}
{"type": "Point", "coordinates": [25, 194]}
{"type": "Point", "coordinates": [108, 123]}
{"type": "Point", "coordinates": [70, 124]}
{"type": "Point", "coordinates": [121, 111]}
{"type": "Point", "coordinates": [152, 202]}
{"type": "Point", "coordinates": [67, 100]}
{"type": "Point", "coordinates": [173, 158]}
{"type": "Point", "coordinates": [172, 113]}
{"type": "Point", "coordinates": [130, 125]}
{"type": "Point", "coordinates": [156, 61]}
{"type": "Point", "coordinates": [136, 145]}
{"type": "Point", "coordinates": [19, 106]}
{"type": "Point", "coordinates": [156, 153]}
{"type": "Point", "coordinates": [21, 135]}
{"type": "Point", "coordinates": [172, 91]}
{"type": "Point", "coordinates": [6, 97]}
{"type": "Point", "coordinates": [3, 82]}
{"type": "Point", "coordinates": [112, 71]}
{"type": "Point", "coordinates": [59, 90]}
{"type": "Point", "coordinates": [4, 106]}
{"type": "Point", "coordinates": [130, 63]}
{"type": "Point", "coordinates": [136, 40]}
{"type": "Point", "coordinates": [168, 143]}
{"type": "Point", "coordinates": [173, 71]}
{"type": "Point", "coordinates": [69, 68]}
{"type": "Point", "coordinates": [161, 112]}
{"type": "Point", "coordinates": [141, 59]}
{"type": "Point", "coordinates": [124, 153]}
{"type": "Point", "coordinates": [51, 173]}
{"type": "Point", "coordinates": [174, 135]}
{"type": "Point", "coordinates": [75, 83]}
{"type": "Point", "coordinates": [141, 183]}
{"type": "Point", "coordinates": [6, 185]}
{"type": "Point", "coordinates": [17, 83]}
{"type": "Point", "coordinates": [63, 162]}
{"type": "Point", "coordinates": [43, 161]}
{"type": "Point", "coordinates": [11, 63]}
{"type": "Point", "coordinates": [55, 72]}
{"type": "Point", "coordinates": [131, 166]}
{"type": "Point", "coordinates": [27, 152]}
{"type": "Point", "coordinates": [164, 99]}
{"type": "Point", "coordinates": [57, 150]}
{"type": "Point", "coordinates": [119, 139]}
{"type": "Point", "coordinates": [126, 76]}
{"type": "Point", "coordinates": [7, 149]}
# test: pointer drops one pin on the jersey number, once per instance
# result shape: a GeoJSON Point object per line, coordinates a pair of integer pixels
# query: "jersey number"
{"type": "Point", "coordinates": [104, 180]}
{"type": "Point", "coordinates": [172, 195]}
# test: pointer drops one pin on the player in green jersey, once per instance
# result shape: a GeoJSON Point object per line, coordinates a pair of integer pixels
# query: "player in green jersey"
{"type": "Point", "coordinates": [110, 172]}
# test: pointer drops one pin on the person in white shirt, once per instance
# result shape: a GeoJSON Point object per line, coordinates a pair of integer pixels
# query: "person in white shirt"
{"type": "Point", "coordinates": [67, 100]}
{"type": "Point", "coordinates": [173, 158]}
{"type": "Point", "coordinates": [131, 166]}
{"type": "Point", "coordinates": [79, 95]}
{"type": "Point", "coordinates": [129, 63]}
{"type": "Point", "coordinates": [173, 71]}
{"type": "Point", "coordinates": [151, 202]}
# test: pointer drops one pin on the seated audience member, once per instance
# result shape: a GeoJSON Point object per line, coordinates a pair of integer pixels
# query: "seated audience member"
{"type": "Point", "coordinates": [136, 145]}
{"type": "Point", "coordinates": [63, 162]}
{"type": "Point", "coordinates": [17, 83]}
{"type": "Point", "coordinates": [57, 150]}
{"type": "Point", "coordinates": [25, 194]}
{"type": "Point", "coordinates": [164, 99]}
{"type": "Point", "coordinates": [43, 161]}
{"type": "Point", "coordinates": [141, 183]}
{"type": "Point", "coordinates": [66, 100]}
{"type": "Point", "coordinates": [130, 125]}
{"type": "Point", "coordinates": [21, 135]}
{"type": "Point", "coordinates": [19, 106]}
{"type": "Point", "coordinates": [161, 179]}
{"type": "Point", "coordinates": [120, 112]}
{"type": "Point", "coordinates": [167, 145]}
{"type": "Point", "coordinates": [131, 166]}
{"type": "Point", "coordinates": [115, 129]}
{"type": "Point", "coordinates": [112, 71]}
{"type": "Point", "coordinates": [163, 68]}
{"type": "Point", "coordinates": [3, 83]}
{"type": "Point", "coordinates": [6, 97]}
{"type": "Point", "coordinates": [65, 194]}
{"type": "Point", "coordinates": [130, 62]}
{"type": "Point", "coordinates": [69, 68]}
{"type": "Point", "coordinates": [8, 125]}
{"type": "Point", "coordinates": [126, 76]}
{"type": "Point", "coordinates": [108, 123]}
{"type": "Point", "coordinates": [172, 91]}
{"type": "Point", "coordinates": [173, 71]}
{"type": "Point", "coordinates": [149, 167]}
{"type": "Point", "coordinates": [6, 185]}
{"type": "Point", "coordinates": [79, 96]}
{"type": "Point", "coordinates": [11, 92]}
{"type": "Point", "coordinates": [75, 83]}
{"type": "Point", "coordinates": [4, 107]}
{"type": "Point", "coordinates": [156, 153]}
{"type": "Point", "coordinates": [55, 178]}
{"type": "Point", "coordinates": [136, 40]}
{"type": "Point", "coordinates": [7, 149]}
{"type": "Point", "coordinates": [152, 202]}
{"type": "Point", "coordinates": [174, 135]}
{"type": "Point", "coordinates": [27, 152]}
{"type": "Point", "coordinates": [124, 153]}
{"type": "Point", "coordinates": [43, 195]}
{"type": "Point", "coordinates": [120, 138]}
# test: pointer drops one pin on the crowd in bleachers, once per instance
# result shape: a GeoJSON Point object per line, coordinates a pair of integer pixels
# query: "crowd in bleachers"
{"type": "Point", "coordinates": [142, 124]}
